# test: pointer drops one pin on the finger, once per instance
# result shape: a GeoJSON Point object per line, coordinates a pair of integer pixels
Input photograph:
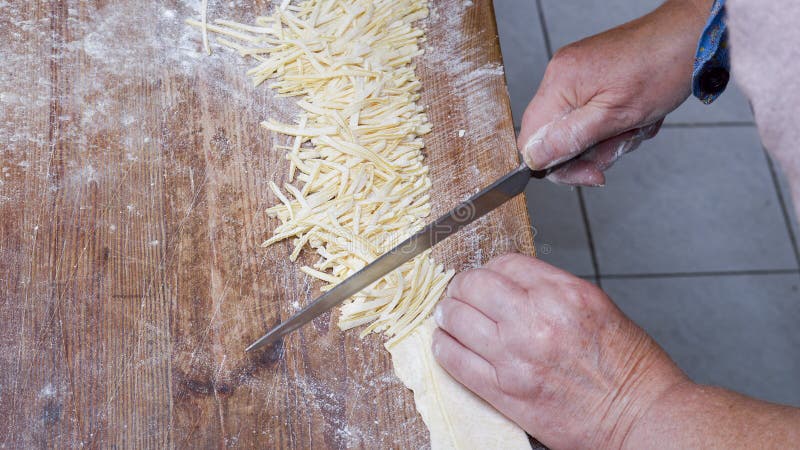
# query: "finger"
{"type": "Point", "coordinates": [588, 170]}
{"type": "Point", "coordinates": [468, 326]}
{"type": "Point", "coordinates": [579, 173]}
{"type": "Point", "coordinates": [469, 369]}
{"type": "Point", "coordinates": [650, 131]}
{"type": "Point", "coordinates": [489, 292]}
{"type": "Point", "coordinates": [545, 107]}
{"type": "Point", "coordinates": [548, 288]}
{"type": "Point", "coordinates": [573, 134]}
{"type": "Point", "coordinates": [606, 153]}
{"type": "Point", "coordinates": [528, 272]}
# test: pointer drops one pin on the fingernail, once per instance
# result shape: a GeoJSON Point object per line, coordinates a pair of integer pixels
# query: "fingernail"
{"type": "Point", "coordinates": [533, 153]}
{"type": "Point", "coordinates": [437, 315]}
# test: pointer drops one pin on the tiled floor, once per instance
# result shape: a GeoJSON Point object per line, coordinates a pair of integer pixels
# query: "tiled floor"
{"type": "Point", "coordinates": [694, 236]}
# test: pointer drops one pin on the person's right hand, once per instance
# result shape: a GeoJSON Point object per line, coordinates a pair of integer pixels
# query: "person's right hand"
{"type": "Point", "coordinates": [605, 94]}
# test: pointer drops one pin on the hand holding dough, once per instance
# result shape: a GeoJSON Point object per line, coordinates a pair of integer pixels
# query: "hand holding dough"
{"type": "Point", "coordinates": [550, 351]}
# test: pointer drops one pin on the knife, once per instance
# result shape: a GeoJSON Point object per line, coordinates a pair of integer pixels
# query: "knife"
{"type": "Point", "coordinates": [502, 190]}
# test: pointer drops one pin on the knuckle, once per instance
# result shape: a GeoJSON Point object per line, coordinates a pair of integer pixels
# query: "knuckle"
{"type": "Point", "coordinates": [572, 296]}
{"type": "Point", "coordinates": [441, 350]}
{"type": "Point", "coordinates": [501, 285]}
{"type": "Point", "coordinates": [567, 55]}
{"type": "Point", "coordinates": [514, 379]}
{"type": "Point", "coordinates": [458, 284]}
{"type": "Point", "coordinates": [562, 64]}
{"type": "Point", "coordinates": [582, 295]}
{"type": "Point", "coordinates": [623, 116]}
{"type": "Point", "coordinates": [507, 385]}
{"type": "Point", "coordinates": [544, 336]}
{"type": "Point", "coordinates": [555, 140]}
{"type": "Point", "coordinates": [510, 259]}
{"type": "Point", "coordinates": [467, 280]}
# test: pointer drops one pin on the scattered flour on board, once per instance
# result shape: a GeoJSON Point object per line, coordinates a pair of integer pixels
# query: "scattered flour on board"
{"type": "Point", "coordinates": [109, 38]}
{"type": "Point", "coordinates": [47, 391]}
{"type": "Point", "coordinates": [87, 175]}
{"type": "Point", "coordinates": [474, 171]}
{"type": "Point", "coordinates": [136, 51]}
{"type": "Point", "coordinates": [448, 53]}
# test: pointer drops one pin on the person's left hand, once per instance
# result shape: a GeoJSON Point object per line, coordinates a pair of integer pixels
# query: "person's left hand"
{"type": "Point", "coordinates": [551, 352]}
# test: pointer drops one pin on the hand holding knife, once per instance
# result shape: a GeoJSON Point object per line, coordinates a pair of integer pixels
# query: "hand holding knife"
{"type": "Point", "coordinates": [485, 201]}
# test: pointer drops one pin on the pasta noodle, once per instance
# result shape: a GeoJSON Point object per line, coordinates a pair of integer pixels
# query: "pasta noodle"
{"type": "Point", "coordinates": [204, 20]}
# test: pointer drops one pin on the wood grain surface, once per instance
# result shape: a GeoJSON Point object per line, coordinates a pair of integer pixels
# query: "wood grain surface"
{"type": "Point", "coordinates": [132, 197]}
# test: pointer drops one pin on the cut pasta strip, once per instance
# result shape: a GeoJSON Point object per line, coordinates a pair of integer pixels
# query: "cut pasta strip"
{"type": "Point", "coordinates": [204, 20]}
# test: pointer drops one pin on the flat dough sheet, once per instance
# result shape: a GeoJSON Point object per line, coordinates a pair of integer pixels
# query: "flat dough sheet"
{"type": "Point", "coordinates": [456, 418]}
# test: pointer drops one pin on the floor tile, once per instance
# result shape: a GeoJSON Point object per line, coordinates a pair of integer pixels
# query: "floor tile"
{"type": "Point", "coordinates": [560, 234]}
{"type": "Point", "coordinates": [699, 199]}
{"type": "Point", "coordinates": [739, 332]}
{"type": "Point", "coordinates": [569, 21]}
{"type": "Point", "coordinates": [524, 51]}
{"type": "Point", "coordinates": [731, 106]}
{"type": "Point", "coordinates": [792, 211]}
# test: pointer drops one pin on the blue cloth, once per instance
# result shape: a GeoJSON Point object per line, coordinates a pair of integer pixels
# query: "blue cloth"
{"type": "Point", "coordinates": [711, 63]}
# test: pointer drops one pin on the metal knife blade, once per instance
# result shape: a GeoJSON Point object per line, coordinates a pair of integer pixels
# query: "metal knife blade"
{"type": "Point", "coordinates": [462, 215]}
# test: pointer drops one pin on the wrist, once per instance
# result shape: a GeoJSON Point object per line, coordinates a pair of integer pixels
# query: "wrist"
{"type": "Point", "coordinates": [697, 11]}
{"type": "Point", "coordinates": [655, 423]}
{"type": "Point", "coordinates": [672, 32]}
{"type": "Point", "coordinates": [647, 381]}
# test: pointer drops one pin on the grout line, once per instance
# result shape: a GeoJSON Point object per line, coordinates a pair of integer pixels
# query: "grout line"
{"type": "Point", "coordinates": [591, 278]}
{"type": "Point", "coordinates": [623, 276]}
{"type": "Point", "coordinates": [543, 23]}
{"type": "Point", "coordinates": [707, 124]}
{"type": "Point", "coordinates": [784, 209]}
{"type": "Point", "coordinates": [589, 238]}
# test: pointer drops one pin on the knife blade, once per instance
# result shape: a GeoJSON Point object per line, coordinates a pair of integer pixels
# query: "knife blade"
{"type": "Point", "coordinates": [499, 192]}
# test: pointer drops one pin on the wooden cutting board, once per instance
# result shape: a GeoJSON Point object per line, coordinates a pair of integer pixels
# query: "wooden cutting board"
{"type": "Point", "coordinates": [132, 197]}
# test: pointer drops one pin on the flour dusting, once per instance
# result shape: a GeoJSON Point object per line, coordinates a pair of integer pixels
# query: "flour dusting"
{"type": "Point", "coordinates": [47, 391]}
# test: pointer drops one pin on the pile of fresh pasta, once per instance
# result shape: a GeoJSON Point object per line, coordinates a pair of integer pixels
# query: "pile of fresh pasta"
{"type": "Point", "coordinates": [357, 183]}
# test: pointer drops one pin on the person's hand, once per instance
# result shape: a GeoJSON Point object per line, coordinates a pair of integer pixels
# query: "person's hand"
{"type": "Point", "coordinates": [551, 352]}
{"type": "Point", "coordinates": [605, 94]}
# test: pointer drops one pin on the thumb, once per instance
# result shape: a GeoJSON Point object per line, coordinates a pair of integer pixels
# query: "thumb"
{"type": "Point", "coordinates": [571, 135]}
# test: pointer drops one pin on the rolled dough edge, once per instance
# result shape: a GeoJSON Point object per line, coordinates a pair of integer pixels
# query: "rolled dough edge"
{"type": "Point", "coordinates": [456, 418]}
